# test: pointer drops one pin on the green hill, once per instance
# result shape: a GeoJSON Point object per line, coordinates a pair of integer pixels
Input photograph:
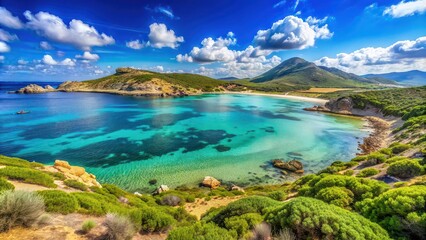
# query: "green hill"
{"type": "Point", "coordinates": [299, 72]}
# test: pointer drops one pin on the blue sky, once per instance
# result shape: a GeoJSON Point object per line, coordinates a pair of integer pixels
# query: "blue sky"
{"type": "Point", "coordinates": [77, 40]}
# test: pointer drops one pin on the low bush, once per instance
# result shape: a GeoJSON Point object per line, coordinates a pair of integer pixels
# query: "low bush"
{"type": "Point", "coordinates": [89, 203]}
{"type": "Point", "coordinates": [349, 172]}
{"type": "Point", "coordinates": [405, 169]}
{"type": "Point", "coordinates": [118, 227]}
{"type": "Point", "coordinates": [5, 185]}
{"type": "Point", "coordinates": [57, 175]}
{"type": "Point", "coordinates": [114, 190]}
{"type": "Point", "coordinates": [18, 162]}
{"type": "Point", "coordinates": [338, 196]}
{"type": "Point", "coordinates": [59, 201]}
{"type": "Point", "coordinates": [401, 211]}
{"type": "Point", "coordinates": [242, 224]}
{"type": "Point", "coordinates": [322, 221]}
{"type": "Point", "coordinates": [75, 184]}
{"type": "Point", "coordinates": [19, 208]}
{"type": "Point", "coordinates": [88, 225]}
{"type": "Point", "coordinates": [399, 147]}
{"type": "Point", "coordinates": [261, 232]}
{"type": "Point", "coordinates": [368, 172]}
{"type": "Point", "coordinates": [155, 220]}
{"type": "Point", "coordinates": [277, 195]}
{"type": "Point", "coordinates": [200, 231]}
{"type": "Point", "coordinates": [396, 159]}
{"type": "Point", "coordinates": [28, 175]}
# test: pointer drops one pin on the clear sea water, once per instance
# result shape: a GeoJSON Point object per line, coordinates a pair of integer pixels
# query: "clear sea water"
{"type": "Point", "coordinates": [131, 140]}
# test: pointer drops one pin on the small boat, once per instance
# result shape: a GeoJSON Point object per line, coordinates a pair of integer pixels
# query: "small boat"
{"type": "Point", "coordinates": [22, 112]}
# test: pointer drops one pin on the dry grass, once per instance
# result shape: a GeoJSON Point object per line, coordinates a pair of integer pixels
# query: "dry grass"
{"type": "Point", "coordinates": [323, 90]}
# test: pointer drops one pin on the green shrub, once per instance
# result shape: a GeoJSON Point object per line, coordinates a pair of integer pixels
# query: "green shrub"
{"type": "Point", "coordinates": [349, 172]}
{"type": "Point", "coordinates": [119, 227]}
{"type": "Point", "coordinates": [57, 175]}
{"type": "Point", "coordinates": [396, 159]}
{"type": "Point", "coordinates": [401, 211]}
{"type": "Point", "coordinates": [59, 201]}
{"type": "Point", "coordinates": [5, 185]}
{"type": "Point", "coordinates": [400, 184]}
{"type": "Point", "coordinates": [368, 172]}
{"type": "Point", "coordinates": [242, 224]}
{"type": "Point", "coordinates": [88, 225]}
{"type": "Point", "coordinates": [19, 208]}
{"type": "Point", "coordinates": [89, 203]}
{"type": "Point", "coordinates": [405, 169]}
{"type": "Point", "coordinates": [114, 190]}
{"type": "Point", "coordinates": [155, 220]}
{"type": "Point", "coordinates": [254, 204]}
{"type": "Point", "coordinates": [314, 219]}
{"type": "Point", "coordinates": [399, 147]}
{"type": "Point", "coordinates": [75, 184]}
{"type": "Point", "coordinates": [18, 162]}
{"type": "Point", "coordinates": [338, 166]}
{"type": "Point", "coordinates": [277, 195]}
{"type": "Point", "coordinates": [28, 175]}
{"type": "Point", "coordinates": [338, 196]}
{"type": "Point", "coordinates": [200, 231]}
{"type": "Point", "coordinates": [360, 187]}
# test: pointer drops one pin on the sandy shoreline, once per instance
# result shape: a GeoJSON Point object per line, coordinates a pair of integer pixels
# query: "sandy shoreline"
{"type": "Point", "coordinates": [305, 99]}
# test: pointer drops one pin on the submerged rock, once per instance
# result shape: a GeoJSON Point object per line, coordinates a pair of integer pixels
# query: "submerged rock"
{"type": "Point", "coordinates": [34, 88]}
{"type": "Point", "coordinates": [210, 182]}
{"type": "Point", "coordinates": [292, 166]}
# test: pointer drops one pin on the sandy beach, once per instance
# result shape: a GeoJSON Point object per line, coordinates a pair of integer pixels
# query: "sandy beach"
{"type": "Point", "coordinates": [306, 99]}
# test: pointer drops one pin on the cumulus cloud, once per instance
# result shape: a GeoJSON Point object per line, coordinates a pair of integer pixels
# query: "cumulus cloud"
{"type": "Point", "coordinates": [88, 56]}
{"type": "Point", "coordinates": [406, 8]}
{"type": "Point", "coordinates": [48, 60]}
{"type": "Point", "coordinates": [136, 44]}
{"type": "Point", "coordinates": [292, 33]}
{"type": "Point", "coordinates": [4, 47]}
{"type": "Point", "coordinates": [6, 36]}
{"type": "Point", "coordinates": [77, 34]}
{"type": "Point", "coordinates": [159, 36]}
{"type": "Point", "coordinates": [400, 56]}
{"type": "Point", "coordinates": [159, 68]}
{"type": "Point", "coordinates": [8, 20]}
{"type": "Point", "coordinates": [22, 62]}
{"type": "Point", "coordinates": [45, 45]}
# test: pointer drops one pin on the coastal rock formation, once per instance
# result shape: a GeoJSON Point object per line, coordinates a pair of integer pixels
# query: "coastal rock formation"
{"type": "Point", "coordinates": [74, 172]}
{"type": "Point", "coordinates": [292, 166]}
{"type": "Point", "coordinates": [236, 188]}
{"type": "Point", "coordinates": [34, 88]}
{"type": "Point", "coordinates": [341, 105]}
{"type": "Point", "coordinates": [161, 189]}
{"type": "Point", "coordinates": [210, 182]}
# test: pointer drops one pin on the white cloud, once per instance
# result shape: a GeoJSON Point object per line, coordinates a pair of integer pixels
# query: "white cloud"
{"type": "Point", "coordinates": [22, 62]}
{"type": "Point", "coordinates": [45, 45]}
{"type": "Point", "coordinates": [159, 36]}
{"type": "Point", "coordinates": [48, 60]}
{"type": "Point", "coordinates": [136, 44]}
{"type": "Point", "coordinates": [4, 47]}
{"type": "Point", "coordinates": [8, 20]}
{"type": "Point", "coordinates": [401, 56]}
{"type": "Point", "coordinates": [403, 8]}
{"type": "Point", "coordinates": [292, 33]}
{"type": "Point", "coordinates": [88, 56]}
{"type": "Point", "coordinates": [159, 68]}
{"type": "Point", "coordinates": [6, 36]}
{"type": "Point", "coordinates": [77, 34]}
{"type": "Point", "coordinates": [280, 3]}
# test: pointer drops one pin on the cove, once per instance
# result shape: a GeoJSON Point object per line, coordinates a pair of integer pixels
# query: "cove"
{"type": "Point", "coordinates": [177, 141]}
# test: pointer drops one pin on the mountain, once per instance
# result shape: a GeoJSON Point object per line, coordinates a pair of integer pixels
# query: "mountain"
{"type": "Point", "coordinates": [414, 78]}
{"type": "Point", "coordinates": [299, 72]}
{"type": "Point", "coordinates": [129, 81]}
{"type": "Point", "coordinates": [228, 78]}
{"type": "Point", "coordinates": [343, 74]}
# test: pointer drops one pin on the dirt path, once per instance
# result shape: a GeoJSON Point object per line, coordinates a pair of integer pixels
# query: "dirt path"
{"type": "Point", "coordinates": [200, 206]}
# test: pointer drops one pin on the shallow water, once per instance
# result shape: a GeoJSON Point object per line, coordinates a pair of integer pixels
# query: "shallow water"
{"type": "Point", "coordinates": [130, 140]}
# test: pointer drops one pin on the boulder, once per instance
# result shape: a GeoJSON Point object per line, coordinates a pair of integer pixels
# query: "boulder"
{"type": "Point", "coordinates": [340, 105]}
{"type": "Point", "coordinates": [61, 163]}
{"type": "Point", "coordinates": [292, 166]}
{"type": "Point", "coordinates": [210, 182]}
{"type": "Point", "coordinates": [236, 188]}
{"type": "Point", "coordinates": [78, 171]}
{"type": "Point", "coordinates": [161, 189]}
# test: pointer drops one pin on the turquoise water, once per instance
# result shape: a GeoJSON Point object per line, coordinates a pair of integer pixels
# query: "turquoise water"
{"type": "Point", "coordinates": [130, 140]}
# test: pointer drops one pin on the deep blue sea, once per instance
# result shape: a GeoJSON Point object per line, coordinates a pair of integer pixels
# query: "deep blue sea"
{"type": "Point", "coordinates": [130, 140]}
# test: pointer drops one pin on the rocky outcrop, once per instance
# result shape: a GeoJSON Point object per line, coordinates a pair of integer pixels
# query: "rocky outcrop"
{"type": "Point", "coordinates": [341, 105]}
{"type": "Point", "coordinates": [34, 88]}
{"type": "Point", "coordinates": [74, 172]}
{"type": "Point", "coordinates": [161, 189]}
{"type": "Point", "coordinates": [236, 188]}
{"type": "Point", "coordinates": [292, 166]}
{"type": "Point", "coordinates": [210, 182]}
